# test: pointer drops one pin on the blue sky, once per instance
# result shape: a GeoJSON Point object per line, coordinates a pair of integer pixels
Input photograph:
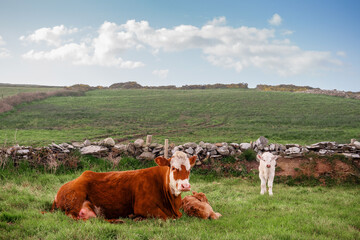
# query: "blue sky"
{"type": "Point", "coordinates": [313, 43]}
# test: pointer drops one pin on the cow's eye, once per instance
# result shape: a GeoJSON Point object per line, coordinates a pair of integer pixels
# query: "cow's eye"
{"type": "Point", "coordinates": [173, 169]}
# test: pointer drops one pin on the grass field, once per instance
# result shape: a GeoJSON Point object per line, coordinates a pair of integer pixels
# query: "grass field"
{"type": "Point", "coordinates": [10, 91]}
{"type": "Point", "coordinates": [217, 115]}
{"type": "Point", "coordinates": [293, 212]}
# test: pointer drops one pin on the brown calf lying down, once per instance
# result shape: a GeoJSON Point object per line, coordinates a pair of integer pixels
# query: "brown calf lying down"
{"type": "Point", "coordinates": [197, 205]}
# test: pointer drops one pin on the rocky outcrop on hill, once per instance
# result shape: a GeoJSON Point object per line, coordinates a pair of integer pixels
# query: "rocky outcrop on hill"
{"type": "Point", "coordinates": [135, 85]}
{"type": "Point", "coordinates": [355, 95]}
{"type": "Point", "coordinates": [282, 88]}
{"type": "Point", "coordinates": [307, 89]}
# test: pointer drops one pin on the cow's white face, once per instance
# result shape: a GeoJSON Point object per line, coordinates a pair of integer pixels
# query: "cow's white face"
{"type": "Point", "coordinates": [267, 159]}
{"type": "Point", "coordinates": [180, 166]}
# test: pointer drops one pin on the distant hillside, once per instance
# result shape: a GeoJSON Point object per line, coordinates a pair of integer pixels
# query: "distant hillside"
{"type": "Point", "coordinates": [28, 85]}
{"type": "Point", "coordinates": [8, 103]}
{"type": "Point", "coordinates": [12, 95]}
{"type": "Point", "coordinates": [135, 85]}
{"type": "Point", "coordinates": [7, 90]}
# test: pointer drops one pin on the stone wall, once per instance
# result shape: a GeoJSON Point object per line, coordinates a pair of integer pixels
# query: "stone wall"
{"type": "Point", "coordinates": [107, 148]}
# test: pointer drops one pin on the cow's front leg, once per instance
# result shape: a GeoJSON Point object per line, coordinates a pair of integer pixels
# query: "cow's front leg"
{"type": "Point", "coordinates": [154, 212]}
{"type": "Point", "coordinates": [147, 210]}
{"type": "Point", "coordinates": [114, 221]}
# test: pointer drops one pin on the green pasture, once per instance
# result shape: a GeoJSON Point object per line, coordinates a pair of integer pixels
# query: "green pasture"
{"type": "Point", "coordinates": [216, 115]}
{"type": "Point", "coordinates": [294, 212]}
{"type": "Point", "coordinates": [10, 91]}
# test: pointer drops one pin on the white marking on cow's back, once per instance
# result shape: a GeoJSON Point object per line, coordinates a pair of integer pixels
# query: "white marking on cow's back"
{"type": "Point", "coordinates": [178, 159]}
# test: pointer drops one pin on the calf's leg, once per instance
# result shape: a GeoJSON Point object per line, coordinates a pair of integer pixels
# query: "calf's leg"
{"type": "Point", "coordinates": [215, 215]}
{"type": "Point", "coordinates": [270, 184]}
{"type": "Point", "coordinates": [263, 184]}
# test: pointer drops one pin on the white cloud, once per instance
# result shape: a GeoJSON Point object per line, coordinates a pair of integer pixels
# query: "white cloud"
{"type": "Point", "coordinates": [287, 32]}
{"type": "Point", "coordinates": [52, 36]}
{"type": "Point", "coordinates": [341, 53]}
{"type": "Point", "coordinates": [223, 46]}
{"type": "Point", "coordinates": [101, 50]}
{"type": "Point", "coordinates": [162, 73]}
{"type": "Point", "coordinates": [2, 42]}
{"type": "Point", "coordinates": [79, 54]}
{"type": "Point", "coordinates": [296, 62]}
{"type": "Point", "coordinates": [4, 53]}
{"type": "Point", "coordinates": [218, 21]}
{"type": "Point", "coordinates": [275, 20]}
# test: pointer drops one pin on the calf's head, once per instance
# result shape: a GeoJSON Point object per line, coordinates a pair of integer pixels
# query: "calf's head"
{"type": "Point", "coordinates": [268, 159]}
{"type": "Point", "coordinates": [179, 173]}
{"type": "Point", "coordinates": [200, 196]}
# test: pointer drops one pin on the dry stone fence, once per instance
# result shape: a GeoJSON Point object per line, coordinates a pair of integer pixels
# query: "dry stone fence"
{"type": "Point", "coordinates": [146, 150]}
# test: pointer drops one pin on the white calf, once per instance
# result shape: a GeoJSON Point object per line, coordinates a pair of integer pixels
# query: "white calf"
{"type": "Point", "coordinates": [267, 171]}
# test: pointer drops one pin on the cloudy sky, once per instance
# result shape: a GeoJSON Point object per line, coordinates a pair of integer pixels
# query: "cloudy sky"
{"type": "Point", "coordinates": [313, 43]}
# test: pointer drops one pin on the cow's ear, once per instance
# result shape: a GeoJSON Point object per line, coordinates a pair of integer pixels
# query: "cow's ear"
{"type": "Point", "coordinates": [276, 157]}
{"type": "Point", "coordinates": [258, 157]}
{"type": "Point", "coordinates": [192, 160]}
{"type": "Point", "coordinates": [161, 161]}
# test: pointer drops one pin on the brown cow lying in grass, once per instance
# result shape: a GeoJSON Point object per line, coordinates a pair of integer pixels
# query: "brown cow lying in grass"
{"type": "Point", "coordinates": [197, 205]}
{"type": "Point", "coordinates": [151, 192]}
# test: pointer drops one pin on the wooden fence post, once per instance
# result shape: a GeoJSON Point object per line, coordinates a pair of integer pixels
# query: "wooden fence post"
{"type": "Point", "coordinates": [148, 139]}
{"type": "Point", "coordinates": [166, 148]}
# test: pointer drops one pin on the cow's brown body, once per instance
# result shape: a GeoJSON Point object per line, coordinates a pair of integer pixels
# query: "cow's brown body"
{"type": "Point", "coordinates": [143, 193]}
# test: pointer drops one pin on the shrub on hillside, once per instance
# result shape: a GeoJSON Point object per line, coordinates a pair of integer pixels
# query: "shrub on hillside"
{"type": "Point", "coordinates": [126, 85]}
{"type": "Point", "coordinates": [80, 87]}
{"type": "Point", "coordinates": [4, 107]}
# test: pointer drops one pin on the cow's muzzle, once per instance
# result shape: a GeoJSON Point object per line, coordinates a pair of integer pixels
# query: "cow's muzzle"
{"type": "Point", "coordinates": [185, 187]}
{"type": "Point", "coordinates": [268, 166]}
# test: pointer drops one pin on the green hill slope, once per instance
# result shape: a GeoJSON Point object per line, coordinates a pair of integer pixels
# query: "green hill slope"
{"type": "Point", "coordinates": [214, 115]}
